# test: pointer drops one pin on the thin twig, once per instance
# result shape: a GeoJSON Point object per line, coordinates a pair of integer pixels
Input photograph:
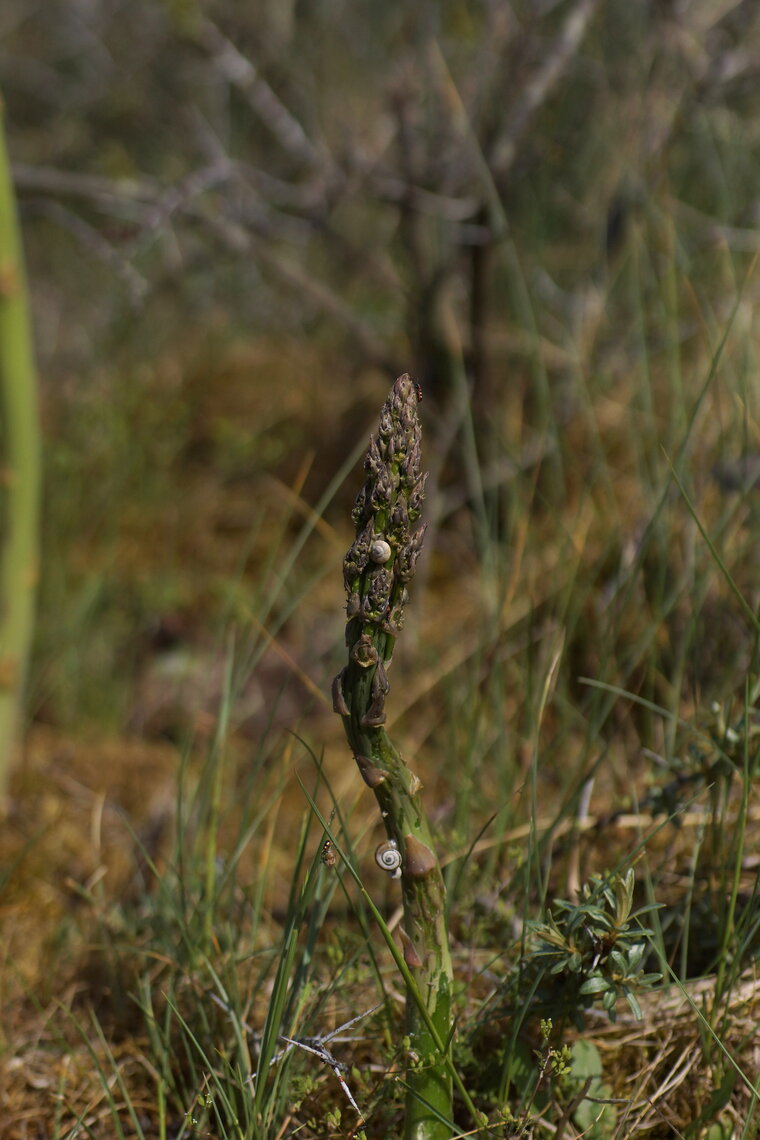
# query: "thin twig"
{"type": "Point", "coordinates": [94, 242]}
{"type": "Point", "coordinates": [317, 1046]}
{"type": "Point", "coordinates": [540, 86]}
{"type": "Point", "coordinates": [239, 71]}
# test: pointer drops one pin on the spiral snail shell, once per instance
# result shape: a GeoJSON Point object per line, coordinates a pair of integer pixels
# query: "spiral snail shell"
{"type": "Point", "coordinates": [380, 551]}
{"type": "Point", "coordinates": [388, 856]}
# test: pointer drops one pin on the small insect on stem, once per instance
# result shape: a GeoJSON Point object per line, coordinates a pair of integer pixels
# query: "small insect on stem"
{"type": "Point", "coordinates": [329, 854]}
{"type": "Point", "coordinates": [418, 390]}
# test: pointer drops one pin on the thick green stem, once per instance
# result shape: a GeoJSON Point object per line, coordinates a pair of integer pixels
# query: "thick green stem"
{"type": "Point", "coordinates": [377, 569]}
{"type": "Point", "coordinates": [20, 470]}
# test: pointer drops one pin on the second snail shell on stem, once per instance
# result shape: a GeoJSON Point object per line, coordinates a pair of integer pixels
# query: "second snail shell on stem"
{"type": "Point", "coordinates": [388, 857]}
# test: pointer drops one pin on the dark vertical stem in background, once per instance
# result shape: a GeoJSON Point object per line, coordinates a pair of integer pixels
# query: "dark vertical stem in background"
{"type": "Point", "coordinates": [481, 257]}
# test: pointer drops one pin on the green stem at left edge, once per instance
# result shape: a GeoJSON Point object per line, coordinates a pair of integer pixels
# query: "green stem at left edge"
{"type": "Point", "coordinates": [377, 569]}
{"type": "Point", "coordinates": [20, 464]}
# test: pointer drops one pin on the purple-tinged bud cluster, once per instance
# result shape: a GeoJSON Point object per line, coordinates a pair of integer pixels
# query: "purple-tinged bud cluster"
{"type": "Point", "coordinates": [385, 509]}
{"type": "Point", "coordinates": [382, 558]}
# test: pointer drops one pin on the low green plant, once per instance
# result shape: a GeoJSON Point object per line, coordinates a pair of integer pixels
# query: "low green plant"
{"type": "Point", "coordinates": [588, 951]}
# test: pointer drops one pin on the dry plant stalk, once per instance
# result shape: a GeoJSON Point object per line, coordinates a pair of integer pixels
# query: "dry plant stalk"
{"type": "Point", "coordinates": [377, 570]}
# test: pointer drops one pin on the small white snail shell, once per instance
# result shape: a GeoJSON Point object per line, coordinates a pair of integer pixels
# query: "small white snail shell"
{"type": "Point", "coordinates": [380, 551]}
{"type": "Point", "coordinates": [388, 857]}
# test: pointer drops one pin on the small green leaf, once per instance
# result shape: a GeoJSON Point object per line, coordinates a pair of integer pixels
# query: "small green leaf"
{"type": "Point", "coordinates": [634, 1004]}
{"type": "Point", "coordinates": [586, 1061]}
{"type": "Point", "coordinates": [635, 956]}
{"type": "Point", "coordinates": [619, 963]}
{"type": "Point", "coordinates": [595, 1121]}
{"type": "Point", "coordinates": [595, 985]}
{"type": "Point", "coordinates": [720, 1131]}
{"type": "Point", "coordinates": [598, 916]}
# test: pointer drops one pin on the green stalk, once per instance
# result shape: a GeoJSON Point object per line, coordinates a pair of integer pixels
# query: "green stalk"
{"type": "Point", "coordinates": [20, 470]}
{"type": "Point", "coordinates": [377, 569]}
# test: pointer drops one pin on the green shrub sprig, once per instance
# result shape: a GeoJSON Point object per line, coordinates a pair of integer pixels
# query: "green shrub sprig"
{"type": "Point", "coordinates": [589, 951]}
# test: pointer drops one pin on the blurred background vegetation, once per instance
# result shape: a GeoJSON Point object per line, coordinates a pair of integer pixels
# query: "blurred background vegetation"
{"type": "Point", "coordinates": [241, 223]}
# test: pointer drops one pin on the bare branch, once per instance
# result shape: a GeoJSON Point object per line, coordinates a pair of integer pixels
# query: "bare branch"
{"type": "Point", "coordinates": [241, 73]}
{"type": "Point", "coordinates": [50, 180]}
{"type": "Point", "coordinates": [94, 242]}
{"type": "Point", "coordinates": [540, 86]}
